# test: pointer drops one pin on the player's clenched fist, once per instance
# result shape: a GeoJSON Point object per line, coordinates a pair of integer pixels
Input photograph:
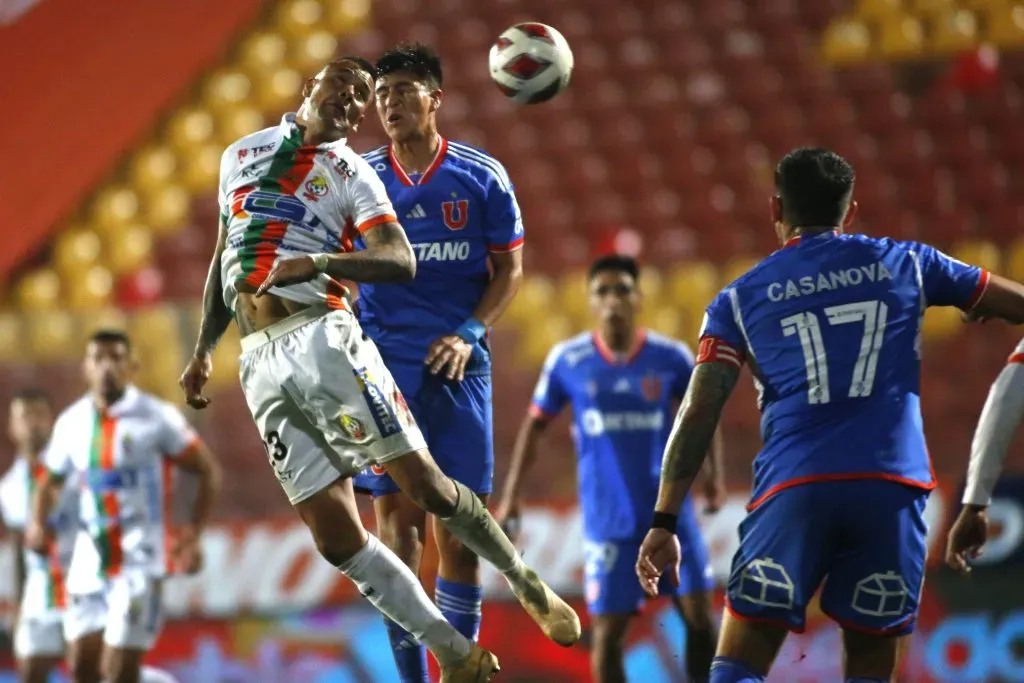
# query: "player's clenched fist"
{"type": "Point", "coordinates": [660, 550]}
{"type": "Point", "coordinates": [193, 379]}
{"type": "Point", "coordinates": [289, 271]}
{"type": "Point", "coordinates": [967, 537]}
{"type": "Point", "coordinates": [452, 351]}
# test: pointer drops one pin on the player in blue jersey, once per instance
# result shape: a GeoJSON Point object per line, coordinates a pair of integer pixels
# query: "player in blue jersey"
{"type": "Point", "coordinates": [623, 383]}
{"type": "Point", "coordinates": [830, 325]}
{"type": "Point", "coordinates": [459, 211]}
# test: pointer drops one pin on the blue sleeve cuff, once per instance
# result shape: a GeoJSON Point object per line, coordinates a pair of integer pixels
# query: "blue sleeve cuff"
{"type": "Point", "coordinates": [471, 331]}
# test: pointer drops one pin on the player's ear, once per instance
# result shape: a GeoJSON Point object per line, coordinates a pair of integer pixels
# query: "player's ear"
{"type": "Point", "coordinates": [307, 87]}
{"type": "Point", "coordinates": [435, 99]}
{"type": "Point", "coordinates": [851, 211]}
{"type": "Point", "coordinates": [775, 206]}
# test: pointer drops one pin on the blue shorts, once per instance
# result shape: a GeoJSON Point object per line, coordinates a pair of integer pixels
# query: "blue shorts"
{"type": "Point", "coordinates": [456, 421]}
{"type": "Point", "coordinates": [611, 585]}
{"type": "Point", "coordinates": [867, 536]}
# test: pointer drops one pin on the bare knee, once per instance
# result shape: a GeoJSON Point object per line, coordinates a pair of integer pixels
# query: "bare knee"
{"type": "Point", "coordinates": [121, 665]}
{"type": "Point", "coordinates": [871, 655]}
{"type": "Point", "coordinates": [84, 658]}
{"type": "Point", "coordinates": [37, 669]}
{"type": "Point", "coordinates": [421, 479]}
{"type": "Point", "coordinates": [607, 647]}
{"type": "Point", "coordinates": [456, 562]}
{"type": "Point", "coordinates": [696, 610]}
{"type": "Point", "coordinates": [753, 643]}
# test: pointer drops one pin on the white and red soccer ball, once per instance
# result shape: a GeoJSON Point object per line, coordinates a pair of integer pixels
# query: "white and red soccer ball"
{"type": "Point", "coordinates": [531, 63]}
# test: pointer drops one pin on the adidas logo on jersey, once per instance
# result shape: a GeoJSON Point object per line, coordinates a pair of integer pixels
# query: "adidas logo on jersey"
{"type": "Point", "coordinates": [417, 212]}
{"type": "Point", "coordinates": [622, 386]}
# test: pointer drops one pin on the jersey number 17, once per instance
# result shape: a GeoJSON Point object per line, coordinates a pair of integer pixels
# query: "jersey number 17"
{"type": "Point", "coordinates": [808, 329]}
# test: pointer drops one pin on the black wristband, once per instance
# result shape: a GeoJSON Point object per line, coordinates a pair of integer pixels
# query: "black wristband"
{"type": "Point", "coordinates": [665, 520]}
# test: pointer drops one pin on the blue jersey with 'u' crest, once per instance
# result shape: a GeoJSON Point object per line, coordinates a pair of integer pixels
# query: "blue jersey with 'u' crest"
{"type": "Point", "coordinates": [456, 213]}
{"type": "Point", "coordinates": [831, 327]}
{"type": "Point", "coordinates": [622, 414]}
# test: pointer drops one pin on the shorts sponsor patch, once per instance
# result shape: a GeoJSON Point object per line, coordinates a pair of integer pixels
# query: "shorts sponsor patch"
{"type": "Point", "coordinates": [380, 408]}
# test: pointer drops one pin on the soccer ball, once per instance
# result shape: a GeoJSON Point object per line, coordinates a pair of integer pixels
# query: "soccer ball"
{"type": "Point", "coordinates": [531, 63]}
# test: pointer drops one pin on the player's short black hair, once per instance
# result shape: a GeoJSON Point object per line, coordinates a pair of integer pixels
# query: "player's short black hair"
{"type": "Point", "coordinates": [111, 336]}
{"type": "Point", "coordinates": [364, 64]}
{"type": "Point", "coordinates": [32, 395]}
{"type": "Point", "coordinates": [416, 58]}
{"type": "Point", "coordinates": [616, 263]}
{"type": "Point", "coordinates": [815, 186]}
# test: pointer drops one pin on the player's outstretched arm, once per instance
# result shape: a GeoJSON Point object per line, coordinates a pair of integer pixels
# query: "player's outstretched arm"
{"type": "Point", "coordinates": [215, 320]}
{"type": "Point", "coordinates": [693, 432]}
{"type": "Point", "coordinates": [199, 461]}
{"type": "Point", "coordinates": [37, 535]}
{"type": "Point", "coordinates": [524, 454]}
{"type": "Point", "coordinates": [388, 257]}
{"type": "Point", "coordinates": [1003, 298]}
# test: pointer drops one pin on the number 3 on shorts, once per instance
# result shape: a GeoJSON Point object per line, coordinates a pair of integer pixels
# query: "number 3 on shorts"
{"type": "Point", "coordinates": [276, 450]}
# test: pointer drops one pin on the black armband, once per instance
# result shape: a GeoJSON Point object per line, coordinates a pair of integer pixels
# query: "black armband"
{"type": "Point", "coordinates": [665, 520]}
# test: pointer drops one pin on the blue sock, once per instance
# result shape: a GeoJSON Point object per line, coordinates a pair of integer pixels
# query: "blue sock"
{"type": "Point", "coordinates": [861, 679]}
{"type": "Point", "coordinates": [410, 656]}
{"type": "Point", "coordinates": [725, 670]}
{"type": "Point", "coordinates": [460, 605]}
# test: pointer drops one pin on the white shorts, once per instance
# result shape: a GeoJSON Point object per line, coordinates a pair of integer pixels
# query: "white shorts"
{"type": "Point", "coordinates": [324, 403]}
{"type": "Point", "coordinates": [41, 636]}
{"type": "Point", "coordinates": [129, 612]}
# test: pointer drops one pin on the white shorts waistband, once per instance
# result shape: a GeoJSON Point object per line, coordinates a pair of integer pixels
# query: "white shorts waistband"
{"type": "Point", "coordinates": [283, 327]}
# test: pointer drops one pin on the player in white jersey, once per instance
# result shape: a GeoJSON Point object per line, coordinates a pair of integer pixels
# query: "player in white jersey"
{"type": "Point", "coordinates": [292, 197]}
{"type": "Point", "coordinates": [39, 578]}
{"type": "Point", "coordinates": [123, 445]}
{"type": "Point", "coordinates": [1000, 418]}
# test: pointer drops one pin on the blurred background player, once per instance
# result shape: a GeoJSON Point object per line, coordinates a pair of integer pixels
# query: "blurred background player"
{"type": "Point", "coordinates": [459, 211]}
{"type": "Point", "coordinates": [1000, 418]}
{"type": "Point", "coordinates": [830, 325]}
{"type": "Point", "coordinates": [324, 402]}
{"type": "Point", "coordinates": [39, 577]}
{"type": "Point", "coordinates": [623, 383]}
{"type": "Point", "coordinates": [120, 441]}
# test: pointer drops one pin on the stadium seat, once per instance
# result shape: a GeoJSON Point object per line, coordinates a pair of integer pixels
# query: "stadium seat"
{"type": "Point", "coordinates": [297, 18]}
{"type": "Point", "coordinates": [846, 41]}
{"type": "Point", "coordinates": [345, 16]}
{"type": "Point", "coordinates": [128, 249]}
{"type": "Point", "coordinates": [538, 338]}
{"type": "Point", "coordinates": [736, 267]}
{"type": "Point", "coordinates": [979, 253]}
{"type": "Point", "coordinates": [1005, 25]}
{"type": "Point", "coordinates": [238, 122]}
{"type": "Point", "coordinates": [152, 167]}
{"type": "Point", "coordinates": [225, 89]}
{"type": "Point", "coordinates": [52, 335]}
{"type": "Point", "coordinates": [953, 31]}
{"type": "Point", "coordinates": [39, 290]}
{"type": "Point", "coordinates": [572, 296]}
{"type": "Point", "coordinates": [262, 52]}
{"type": "Point", "coordinates": [307, 54]}
{"type": "Point", "coordinates": [1015, 261]}
{"type": "Point", "coordinates": [878, 9]}
{"type": "Point", "coordinates": [692, 286]}
{"type": "Point", "coordinates": [165, 209]}
{"type": "Point", "coordinates": [534, 298]}
{"type": "Point", "coordinates": [12, 336]}
{"type": "Point", "coordinates": [931, 8]}
{"type": "Point", "coordinates": [279, 91]}
{"type": "Point", "coordinates": [75, 250]}
{"type": "Point", "coordinates": [200, 168]}
{"type": "Point", "coordinates": [115, 206]}
{"type": "Point", "coordinates": [188, 128]}
{"type": "Point", "coordinates": [88, 290]}
{"type": "Point", "coordinates": [941, 322]}
{"type": "Point", "coordinates": [901, 37]}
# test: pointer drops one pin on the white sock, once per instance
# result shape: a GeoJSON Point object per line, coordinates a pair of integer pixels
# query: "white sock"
{"type": "Point", "coordinates": [394, 590]}
{"type": "Point", "coordinates": [151, 675]}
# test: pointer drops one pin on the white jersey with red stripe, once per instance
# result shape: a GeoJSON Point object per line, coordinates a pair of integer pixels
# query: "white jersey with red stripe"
{"type": "Point", "coordinates": [123, 457]}
{"type": "Point", "coordinates": [43, 591]}
{"type": "Point", "coordinates": [280, 198]}
{"type": "Point", "coordinates": [999, 421]}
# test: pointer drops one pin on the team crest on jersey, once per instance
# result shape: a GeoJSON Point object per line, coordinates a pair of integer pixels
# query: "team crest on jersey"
{"type": "Point", "coordinates": [354, 429]}
{"type": "Point", "coordinates": [316, 187]}
{"type": "Point", "coordinates": [455, 213]}
{"type": "Point", "coordinates": [650, 386]}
